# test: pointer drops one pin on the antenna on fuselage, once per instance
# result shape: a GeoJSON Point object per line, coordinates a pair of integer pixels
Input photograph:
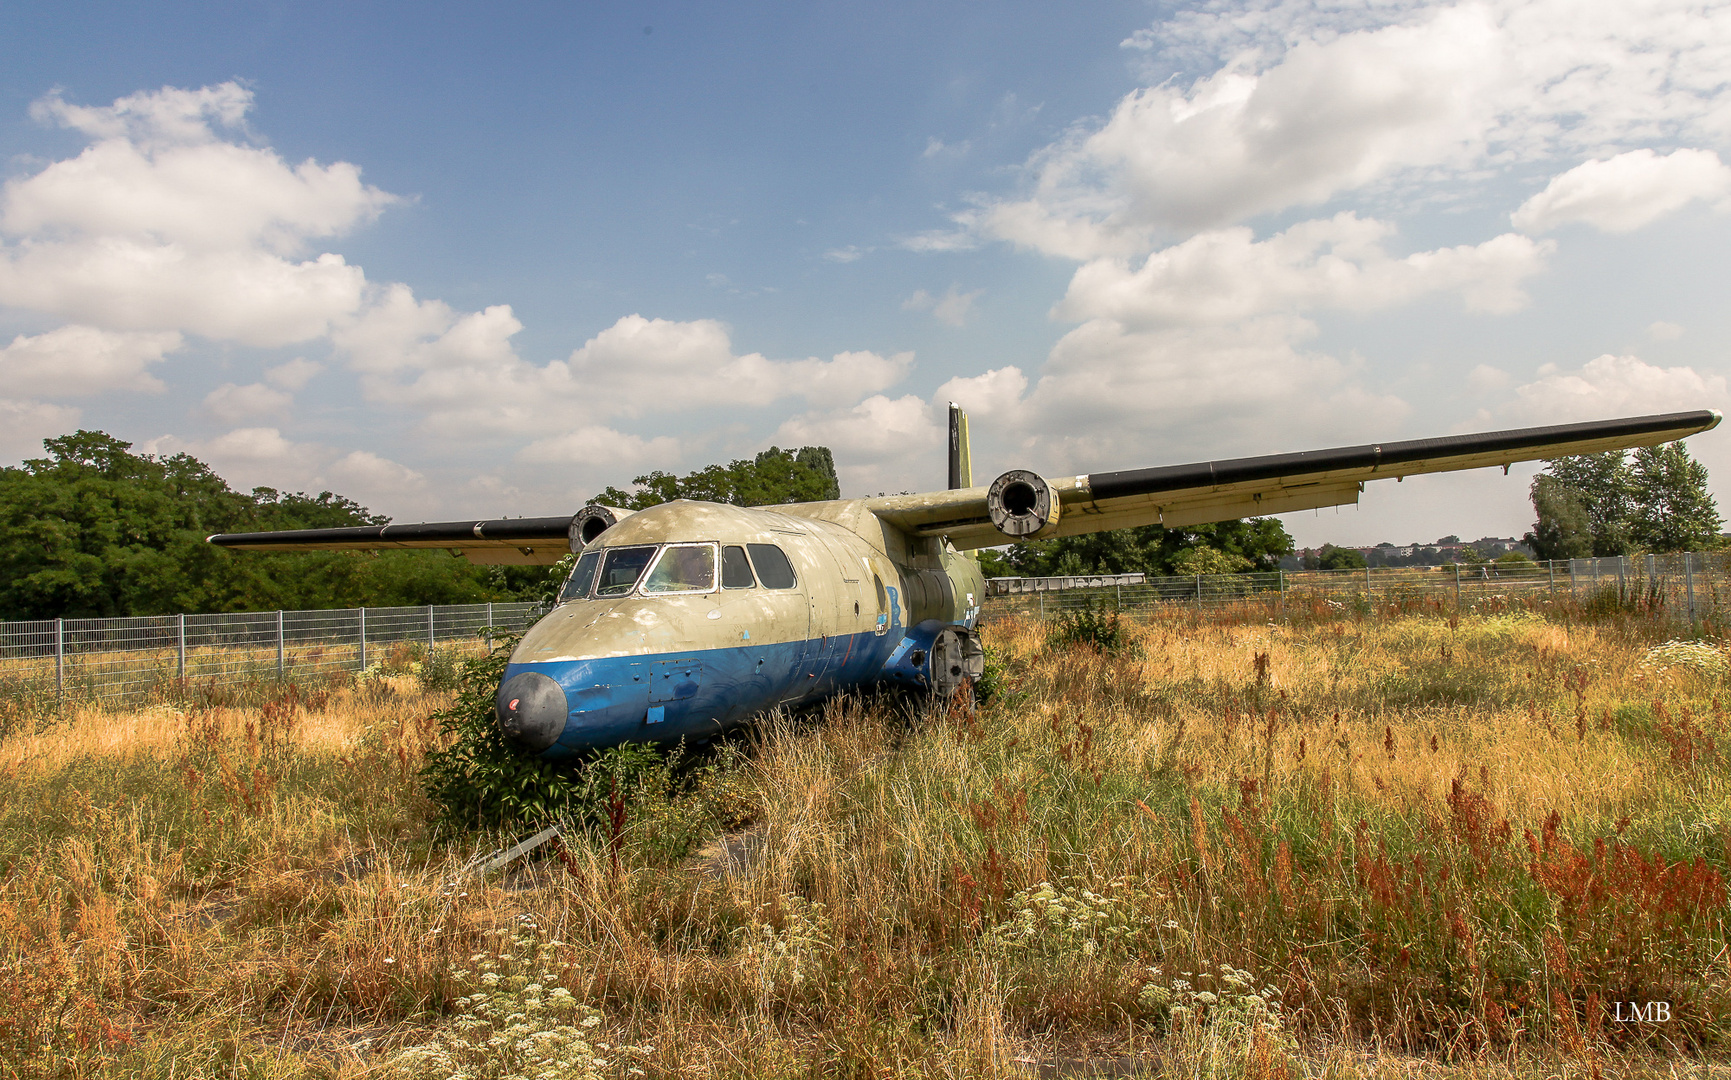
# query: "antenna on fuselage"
{"type": "Point", "coordinates": [961, 462]}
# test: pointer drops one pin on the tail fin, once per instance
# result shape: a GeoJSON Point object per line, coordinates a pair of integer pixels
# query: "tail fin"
{"type": "Point", "coordinates": [961, 461]}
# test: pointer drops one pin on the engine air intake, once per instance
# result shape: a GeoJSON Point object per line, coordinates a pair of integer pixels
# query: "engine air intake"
{"type": "Point", "coordinates": [1023, 505]}
{"type": "Point", "coordinates": [593, 520]}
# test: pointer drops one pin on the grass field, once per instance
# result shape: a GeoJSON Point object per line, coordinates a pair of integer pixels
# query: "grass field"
{"type": "Point", "coordinates": [1403, 846]}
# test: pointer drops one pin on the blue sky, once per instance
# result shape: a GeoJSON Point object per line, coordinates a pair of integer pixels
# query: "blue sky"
{"type": "Point", "coordinates": [455, 261]}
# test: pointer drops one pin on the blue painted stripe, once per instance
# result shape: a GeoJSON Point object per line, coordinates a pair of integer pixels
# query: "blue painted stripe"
{"type": "Point", "coordinates": [703, 692]}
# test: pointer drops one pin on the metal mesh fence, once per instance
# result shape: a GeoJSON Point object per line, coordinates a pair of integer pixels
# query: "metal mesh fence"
{"type": "Point", "coordinates": [125, 660]}
{"type": "Point", "coordinates": [121, 660]}
{"type": "Point", "coordinates": [1688, 587]}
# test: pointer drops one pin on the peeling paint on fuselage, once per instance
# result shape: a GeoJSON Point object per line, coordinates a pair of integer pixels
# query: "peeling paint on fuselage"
{"type": "Point", "coordinates": [662, 668]}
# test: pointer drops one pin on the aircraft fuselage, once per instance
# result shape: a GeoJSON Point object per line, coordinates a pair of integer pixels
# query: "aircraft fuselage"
{"type": "Point", "coordinates": [692, 617]}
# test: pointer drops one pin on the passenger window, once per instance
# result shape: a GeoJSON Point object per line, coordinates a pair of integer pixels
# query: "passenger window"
{"type": "Point", "coordinates": [682, 568]}
{"type": "Point", "coordinates": [577, 585]}
{"type": "Point", "coordinates": [773, 569]}
{"type": "Point", "coordinates": [735, 570]}
{"type": "Point", "coordinates": [621, 569]}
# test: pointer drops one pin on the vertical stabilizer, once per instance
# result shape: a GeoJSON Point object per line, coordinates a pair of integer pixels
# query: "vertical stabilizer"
{"type": "Point", "coordinates": [961, 462]}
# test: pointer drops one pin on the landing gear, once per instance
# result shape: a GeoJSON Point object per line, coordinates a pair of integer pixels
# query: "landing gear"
{"type": "Point", "coordinates": [958, 660]}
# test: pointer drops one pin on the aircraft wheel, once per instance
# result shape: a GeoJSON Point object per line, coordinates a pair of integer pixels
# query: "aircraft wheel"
{"type": "Point", "coordinates": [958, 660]}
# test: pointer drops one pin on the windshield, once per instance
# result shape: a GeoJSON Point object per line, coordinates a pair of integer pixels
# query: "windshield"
{"type": "Point", "coordinates": [577, 585]}
{"type": "Point", "coordinates": [682, 568]}
{"type": "Point", "coordinates": [620, 570]}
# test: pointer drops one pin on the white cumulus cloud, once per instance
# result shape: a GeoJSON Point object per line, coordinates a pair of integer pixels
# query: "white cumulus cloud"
{"type": "Point", "coordinates": [953, 308]}
{"type": "Point", "coordinates": [875, 440]}
{"type": "Point", "coordinates": [232, 403]}
{"type": "Point", "coordinates": [602, 446]}
{"type": "Point", "coordinates": [24, 424]}
{"type": "Point", "coordinates": [462, 369]}
{"type": "Point", "coordinates": [362, 470]}
{"type": "Point", "coordinates": [1623, 193]}
{"type": "Point", "coordinates": [263, 456]}
{"type": "Point", "coordinates": [1226, 275]}
{"type": "Point", "coordinates": [1299, 103]}
{"type": "Point", "coordinates": [1609, 386]}
{"type": "Point", "coordinates": [162, 223]}
{"type": "Point", "coordinates": [294, 374]}
{"type": "Point", "coordinates": [77, 361]}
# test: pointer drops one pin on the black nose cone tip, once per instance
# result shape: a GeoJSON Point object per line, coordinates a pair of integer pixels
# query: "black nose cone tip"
{"type": "Point", "coordinates": [531, 710]}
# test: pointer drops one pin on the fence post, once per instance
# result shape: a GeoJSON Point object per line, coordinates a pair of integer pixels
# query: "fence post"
{"type": "Point", "coordinates": [1457, 588]}
{"type": "Point", "coordinates": [1551, 568]}
{"type": "Point", "coordinates": [1199, 593]}
{"type": "Point", "coordinates": [1282, 577]}
{"type": "Point", "coordinates": [489, 626]}
{"type": "Point", "coordinates": [281, 657]}
{"type": "Point", "coordinates": [1369, 599]}
{"type": "Point", "coordinates": [363, 639]}
{"type": "Point", "coordinates": [1689, 583]}
{"type": "Point", "coordinates": [430, 641]}
{"type": "Point", "coordinates": [1572, 594]}
{"type": "Point", "coordinates": [1622, 579]}
{"type": "Point", "coordinates": [180, 650]}
{"type": "Point", "coordinates": [60, 662]}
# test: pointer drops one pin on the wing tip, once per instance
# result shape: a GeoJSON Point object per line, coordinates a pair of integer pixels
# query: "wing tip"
{"type": "Point", "coordinates": [1713, 423]}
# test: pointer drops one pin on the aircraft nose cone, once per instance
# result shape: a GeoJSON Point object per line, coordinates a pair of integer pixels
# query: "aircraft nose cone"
{"type": "Point", "coordinates": [531, 710]}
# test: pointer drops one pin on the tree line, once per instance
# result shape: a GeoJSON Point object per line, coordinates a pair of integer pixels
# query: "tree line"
{"type": "Point", "coordinates": [1223, 547]}
{"type": "Point", "coordinates": [93, 530]}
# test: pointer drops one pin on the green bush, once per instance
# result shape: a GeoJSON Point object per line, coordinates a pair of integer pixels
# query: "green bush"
{"type": "Point", "coordinates": [480, 780]}
{"type": "Point", "coordinates": [990, 685]}
{"type": "Point", "coordinates": [1101, 630]}
{"type": "Point", "coordinates": [440, 670]}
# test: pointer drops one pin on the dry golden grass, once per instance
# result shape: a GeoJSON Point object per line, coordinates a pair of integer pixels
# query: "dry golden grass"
{"type": "Point", "coordinates": [1445, 847]}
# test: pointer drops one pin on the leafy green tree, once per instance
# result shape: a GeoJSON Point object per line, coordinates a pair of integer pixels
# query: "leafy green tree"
{"type": "Point", "coordinates": [302, 511]}
{"type": "Point", "coordinates": [1604, 505]}
{"type": "Point", "coordinates": [1249, 544]}
{"type": "Point", "coordinates": [1601, 484]}
{"type": "Point", "coordinates": [1671, 510]}
{"type": "Point", "coordinates": [994, 563]}
{"type": "Point", "coordinates": [774, 477]}
{"type": "Point", "coordinates": [1340, 558]}
{"type": "Point", "coordinates": [93, 529]}
{"type": "Point", "coordinates": [1203, 559]}
{"type": "Point", "coordinates": [1564, 530]}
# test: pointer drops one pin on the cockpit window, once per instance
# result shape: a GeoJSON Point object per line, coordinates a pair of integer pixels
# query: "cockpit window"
{"type": "Point", "coordinates": [735, 570]}
{"type": "Point", "coordinates": [773, 569]}
{"type": "Point", "coordinates": [682, 568]}
{"type": "Point", "coordinates": [620, 570]}
{"type": "Point", "coordinates": [577, 585]}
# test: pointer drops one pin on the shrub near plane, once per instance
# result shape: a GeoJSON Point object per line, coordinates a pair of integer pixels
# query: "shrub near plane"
{"type": "Point", "coordinates": [687, 618]}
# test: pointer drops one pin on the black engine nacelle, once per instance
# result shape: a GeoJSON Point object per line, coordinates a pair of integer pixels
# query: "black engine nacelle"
{"type": "Point", "coordinates": [592, 521]}
{"type": "Point", "coordinates": [1023, 505]}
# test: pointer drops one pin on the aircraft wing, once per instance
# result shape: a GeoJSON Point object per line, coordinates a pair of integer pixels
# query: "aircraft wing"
{"type": "Point", "coordinates": [501, 541]}
{"type": "Point", "coordinates": [1179, 495]}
